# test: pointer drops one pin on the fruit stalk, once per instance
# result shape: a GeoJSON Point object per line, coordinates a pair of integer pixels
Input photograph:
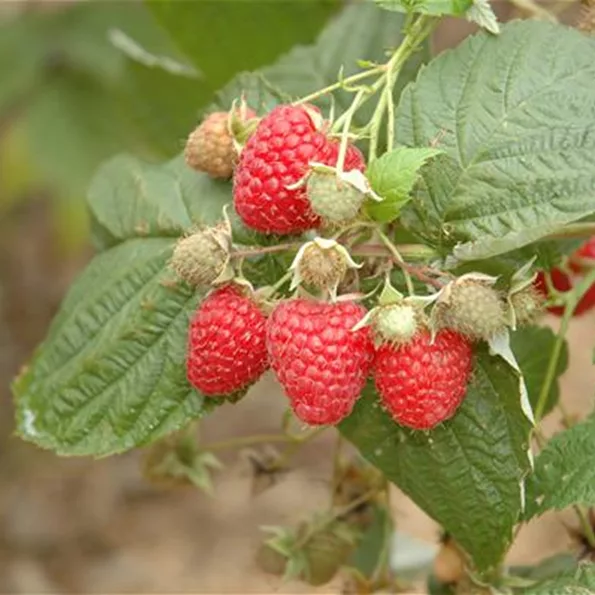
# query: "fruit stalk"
{"type": "Point", "coordinates": [572, 301]}
{"type": "Point", "coordinates": [414, 37]}
{"type": "Point", "coordinates": [341, 84]}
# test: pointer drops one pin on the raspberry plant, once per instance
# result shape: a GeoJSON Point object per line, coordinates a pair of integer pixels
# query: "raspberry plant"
{"type": "Point", "coordinates": [387, 245]}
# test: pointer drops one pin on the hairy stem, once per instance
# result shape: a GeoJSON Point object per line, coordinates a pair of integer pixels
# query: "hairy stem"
{"type": "Point", "coordinates": [346, 125]}
{"type": "Point", "coordinates": [342, 83]}
{"type": "Point", "coordinates": [415, 35]}
{"type": "Point", "coordinates": [258, 250]}
{"type": "Point", "coordinates": [398, 259]}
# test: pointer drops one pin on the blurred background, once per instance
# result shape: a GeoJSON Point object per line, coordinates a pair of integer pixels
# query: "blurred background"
{"type": "Point", "coordinates": [80, 82]}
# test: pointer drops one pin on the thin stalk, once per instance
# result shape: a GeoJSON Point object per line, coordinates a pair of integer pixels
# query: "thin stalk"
{"type": "Point", "coordinates": [585, 525]}
{"type": "Point", "coordinates": [340, 84]}
{"type": "Point", "coordinates": [346, 125]}
{"type": "Point", "coordinates": [336, 467]}
{"type": "Point", "coordinates": [399, 259]}
{"type": "Point", "coordinates": [420, 273]}
{"type": "Point", "coordinates": [257, 251]}
{"type": "Point", "coordinates": [417, 33]}
{"type": "Point", "coordinates": [572, 301]}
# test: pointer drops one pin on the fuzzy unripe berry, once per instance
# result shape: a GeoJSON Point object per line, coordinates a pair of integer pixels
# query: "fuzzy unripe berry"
{"type": "Point", "coordinates": [202, 257]}
{"type": "Point", "coordinates": [210, 147]}
{"type": "Point", "coordinates": [473, 308]}
{"type": "Point", "coordinates": [333, 199]}
{"type": "Point", "coordinates": [396, 323]}
{"type": "Point", "coordinates": [322, 268]}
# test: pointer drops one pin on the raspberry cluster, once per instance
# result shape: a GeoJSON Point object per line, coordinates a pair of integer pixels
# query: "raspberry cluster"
{"type": "Point", "coordinates": [291, 176]}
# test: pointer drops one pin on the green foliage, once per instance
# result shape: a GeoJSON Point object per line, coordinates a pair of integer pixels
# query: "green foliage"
{"type": "Point", "coordinates": [129, 198]}
{"type": "Point", "coordinates": [430, 7]}
{"type": "Point", "coordinates": [248, 35]}
{"type": "Point", "coordinates": [392, 177]}
{"type": "Point", "coordinates": [111, 373]}
{"type": "Point", "coordinates": [534, 362]}
{"type": "Point", "coordinates": [466, 473]}
{"type": "Point", "coordinates": [578, 581]}
{"type": "Point", "coordinates": [564, 471]}
{"type": "Point", "coordinates": [68, 82]}
{"type": "Point", "coordinates": [374, 546]}
{"type": "Point", "coordinates": [513, 113]}
{"type": "Point", "coordinates": [481, 13]}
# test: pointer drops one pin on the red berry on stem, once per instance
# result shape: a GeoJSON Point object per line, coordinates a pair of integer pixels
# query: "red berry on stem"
{"type": "Point", "coordinates": [563, 283]}
{"type": "Point", "coordinates": [320, 362]}
{"type": "Point", "coordinates": [585, 253]}
{"type": "Point", "coordinates": [276, 156]}
{"type": "Point", "coordinates": [421, 383]}
{"type": "Point", "coordinates": [226, 343]}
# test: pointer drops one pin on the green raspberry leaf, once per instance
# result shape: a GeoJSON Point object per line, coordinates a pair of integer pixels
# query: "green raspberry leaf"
{"type": "Point", "coordinates": [111, 373]}
{"type": "Point", "coordinates": [430, 7]}
{"type": "Point", "coordinates": [564, 472]}
{"type": "Point", "coordinates": [466, 473]}
{"type": "Point", "coordinates": [514, 114]}
{"type": "Point", "coordinates": [249, 34]}
{"type": "Point", "coordinates": [129, 198]}
{"type": "Point", "coordinates": [481, 13]}
{"type": "Point", "coordinates": [393, 177]}
{"type": "Point", "coordinates": [577, 581]}
{"type": "Point", "coordinates": [534, 362]}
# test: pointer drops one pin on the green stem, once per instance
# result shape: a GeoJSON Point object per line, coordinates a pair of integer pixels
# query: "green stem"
{"type": "Point", "coordinates": [416, 34]}
{"type": "Point", "coordinates": [346, 125]}
{"type": "Point", "coordinates": [257, 251]}
{"type": "Point", "coordinates": [286, 277]}
{"type": "Point", "coordinates": [397, 256]}
{"type": "Point", "coordinates": [585, 525]}
{"type": "Point", "coordinates": [573, 230]}
{"type": "Point", "coordinates": [390, 120]}
{"type": "Point", "coordinates": [336, 467]}
{"type": "Point", "coordinates": [342, 83]}
{"type": "Point", "coordinates": [572, 300]}
{"type": "Point", "coordinates": [339, 512]}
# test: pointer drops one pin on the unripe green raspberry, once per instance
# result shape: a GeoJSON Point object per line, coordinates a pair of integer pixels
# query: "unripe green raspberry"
{"type": "Point", "coordinates": [473, 308]}
{"type": "Point", "coordinates": [528, 305]}
{"type": "Point", "coordinates": [396, 323]}
{"type": "Point", "coordinates": [335, 200]}
{"type": "Point", "coordinates": [321, 263]}
{"type": "Point", "coordinates": [202, 257]}
{"type": "Point", "coordinates": [322, 268]}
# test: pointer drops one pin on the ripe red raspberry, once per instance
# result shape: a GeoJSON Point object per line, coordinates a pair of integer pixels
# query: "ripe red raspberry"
{"type": "Point", "coordinates": [422, 384]}
{"type": "Point", "coordinates": [563, 283]}
{"type": "Point", "coordinates": [585, 253]}
{"type": "Point", "coordinates": [226, 343]}
{"type": "Point", "coordinates": [276, 156]}
{"type": "Point", "coordinates": [320, 362]}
